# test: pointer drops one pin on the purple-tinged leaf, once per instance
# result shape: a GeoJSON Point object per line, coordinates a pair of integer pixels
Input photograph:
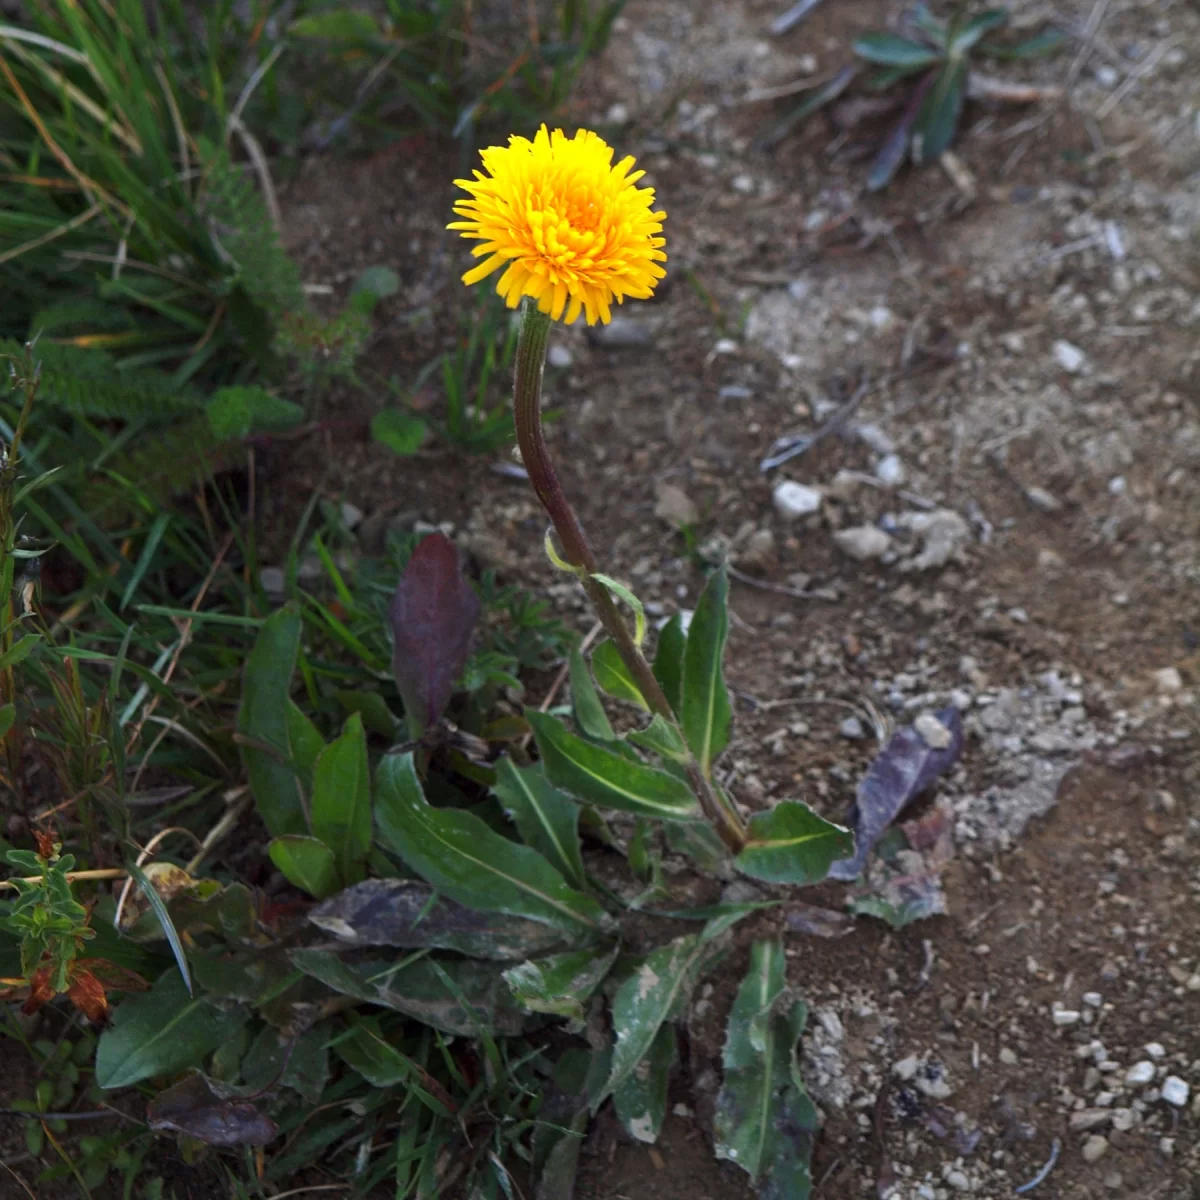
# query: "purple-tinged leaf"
{"type": "Point", "coordinates": [193, 1107]}
{"type": "Point", "coordinates": [905, 767]}
{"type": "Point", "coordinates": [888, 161]}
{"type": "Point", "coordinates": [433, 615]}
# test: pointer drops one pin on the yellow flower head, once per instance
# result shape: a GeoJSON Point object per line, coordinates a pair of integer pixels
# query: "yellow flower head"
{"type": "Point", "coordinates": [573, 229]}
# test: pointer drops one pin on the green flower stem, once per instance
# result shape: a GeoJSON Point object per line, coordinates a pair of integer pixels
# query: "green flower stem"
{"type": "Point", "coordinates": [527, 406]}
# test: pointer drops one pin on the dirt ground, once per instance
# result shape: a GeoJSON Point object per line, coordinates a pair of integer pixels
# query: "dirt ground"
{"type": "Point", "coordinates": [1028, 436]}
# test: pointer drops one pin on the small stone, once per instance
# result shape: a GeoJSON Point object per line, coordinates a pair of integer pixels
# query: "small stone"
{"type": "Point", "coordinates": [1089, 1118]}
{"type": "Point", "coordinates": [793, 500]}
{"type": "Point", "coordinates": [1140, 1073]}
{"type": "Point", "coordinates": [943, 534]}
{"type": "Point", "coordinates": [862, 542]}
{"type": "Point", "coordinates": [559, 356]}
{"type": "Point", "coordinates": [675, 506]}
{"type": "Point", "coordinates": [874, 438]}
{"type": "Point", "coordinates": [933, 733]}
{"type": "Point", "coordinates": [272, 580]}
{"type": "Point", "coordinates": [958, 1181]}
{"type": "Point", "coordinates": [621, 333]}
{"type": "Point", "coordinates": [1156, 1050]}
{"type": "Point", "coordinates": [1175, 1091]}
{"type": "Point", "coordinates": [352, 515]}
{"type": "Point", "coordinates": [743, 184]}
{"type": "Point", "coordinates": [852, 729]}
{"type": "Point", "coordinates": [1107, 76]}
{"type": "Point", "coordinates": [1043, 500]}
{"type": "Point", "coordinates": [1068, 356]}
{"type": "Point", "coordinates": [759, 551]}
{"type": "Point", "coordinates": [617, 114]}
{"type": "Point", "coordinates": [1092, 999]}
{"type": "Point", "coordinates": [1095, 1148]}
{"type": "Point", "coordinates": [1117, 485]}
{"type": "Point", "coordinates": [889, 470]}
{"type": "Point", "coordinates": [906, 1068]}
{"type": "Point", "coordinates": [1066, 1016]}
{"type": "Point", "coordinates": [1123, 1119]}
{"type": "Point", "coordinates": [1008, 1056]}
{"type": "Point", "coordinates": [1168, 681]}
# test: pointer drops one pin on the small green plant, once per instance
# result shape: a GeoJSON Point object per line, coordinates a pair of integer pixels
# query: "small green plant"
{"type": "Point", "coordinates": [933, 59]}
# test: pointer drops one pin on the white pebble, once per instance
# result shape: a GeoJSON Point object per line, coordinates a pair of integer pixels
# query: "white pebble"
{"type": "Point", "coordinates": [933, 733]}
{"type": "Point", "coordinates": [1095, 1148]}
{"type": "Point", "coordinates": [1066, 1016]}
{"type": "Point", "coordinates": [1139, 1073]}
{"type": "Point", "coordinates": [1175, 1091]}
{"type": "Point", "coordinates": [559, 356]}
{"type": "Point", "coordinates": [1156, 1050]}
{"type": "Point", "coordinates": [1069, 357]}
{"type": "Point", "coordinates": [1092, 999]}
{"type": "Point", "coordinates": [794, 500]}
{"type": "Point", "coordinates": [862, 542]}
{"type": "Point", "coordinates": [889, 470]}
{"type": "Point", "coordinates": [1168, 681]}
{"type": "Point", "coordinates": [906, 1068]}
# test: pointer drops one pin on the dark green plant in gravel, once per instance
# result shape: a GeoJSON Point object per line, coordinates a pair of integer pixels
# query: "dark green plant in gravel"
{"type": "Point", "coordinates": [930, 61]}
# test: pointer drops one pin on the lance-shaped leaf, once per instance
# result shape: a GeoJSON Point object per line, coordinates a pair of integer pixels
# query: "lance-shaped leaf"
{"type": "Point", "coordinates": [433, 617]}
{"type": "Point", "coordinates": [408, 913]}
{"type": "Point", "coordinates": [668, 661]}
{"type": "Point", "coordinates": [307, 863]}
{"type": "Point", "coordinates": [341, 800]}
{"type": "Point", "coordinates": [905, 767]}
{"type": "Point", "coordinates": [656, 993]}
{"type": "Point", "coordinates": [977, 28]}
{"type": "Point", "coordinates": [160, 1032]}
{"type": "Point", "coordinates": [613, 675]}
{"type": "Point", "coordinates": [204, 1110]}
{"type": "Point", "coordinates": [381, 1064]}
{"type": "Point", "coordinates": [548, 820]}
{"type": "Point", "coordinates": [937, 120]}
{"type": "Point", "coordinates": [641, 1101]}
{"type": "Point", "coordinates": [590, 717]}
{"type": "Point", "coordinates": [764, 1119]}
{"type": "Point", "coordinates": [1049, 41]}
{"type": "Point", "coordinates": [601, 776]}
{"type": "Point", "coordinates": [263, 721]}
{"type": "Point", "coordinates": [561, 983]}
{"type": "Point", "coordinates": [476, 1003]}
{"type": "Point", "coordinates": [791, 844]}
{"type": "Point", "coordinates": [706, 715]}
{"type": "Point", "coordinates": [891, 50]}
{"type": "Point", "coordinates": [469, 862]}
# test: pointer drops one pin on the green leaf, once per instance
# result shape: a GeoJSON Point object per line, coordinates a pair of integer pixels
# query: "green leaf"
{"type": "Point", "coordinates": [641, 1101]}
{"type": "Point", "coordinates": [890, 50]}
{"type": "Point", "coordinates": [668, 661]}
{"type": "Point", "coordinates": [1041, 45]}
{"type": "Point", "coordinates": [469, 862]}
{"type": "Point", "coordinates": [548, 820]}
{"type": "Point", "coordinates": [656, 993]}
{"type": "Point", "coordinates": [401, 432]}
{"type": "Point", "coordinates": [937, 120]}
{"type": "Point", "coordinates": [306, 743]}
{"type": "Point", "coordinates": [382, 1065]}
{"type": "Point", "coordinates": [483, 1004]}
{"type": "Point", "coordinates": [590, 716]}
{"type": "Point", "coordinates": [8, 715]}
{"type": "Point", "coordinates": [19, 651]}
{"type": "Point", "coordinates": [613, 675]}
{"type": "Point", "coordinates": [159, 1032]}
{"type": "Point", "coordinates": [765, 1121]}
{"type": "Point", "coordinates": [791, 844]}
{"type": "Point", "coordinates": [373, 708]}
{"type": "Point", "coordinates": [603, 777]}
{"type": "Point", "coordinates": [373, 285]}
{"type": "Point", "coordinates": [164, 919]}
{"type": "Point", "coordinates": [341, 801]}
{"type": "Point", "coordinates": [977, 28]}
{"type": "Point", "coordinates": [237, 412]}
{"type": "Point", "coordinates": [561, 983]}
{"type": "Point", "coordinates": [301, 1064]}
{"type": "Point", "coordinates": [305, 862]}
{"type": "Point", "coordinates": [264, 717]}
{"type": "Point", "coordinates": [707, 716]}
{"type": "Point", "coordinates": [623, 593]}
{"type": "Point", "coordinates": [699, 842]}
{"type": "Point", "coordinates": [661, 738]}
{"type": "Point", "coordinates": [339, 25]}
